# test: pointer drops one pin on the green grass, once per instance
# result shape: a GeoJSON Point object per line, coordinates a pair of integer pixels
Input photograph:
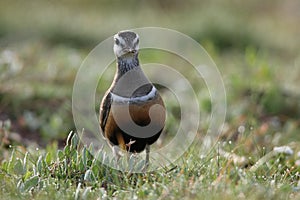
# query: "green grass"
{"type": "Point", "coordinates": [73, 172]}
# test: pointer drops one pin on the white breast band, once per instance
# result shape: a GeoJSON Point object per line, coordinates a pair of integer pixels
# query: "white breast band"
{"type": "Point", "coordinates": [120, 99]}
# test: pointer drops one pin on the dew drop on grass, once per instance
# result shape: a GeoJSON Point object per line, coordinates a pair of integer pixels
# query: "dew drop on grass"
{"type": "Point", "coordinates": [241, 129]}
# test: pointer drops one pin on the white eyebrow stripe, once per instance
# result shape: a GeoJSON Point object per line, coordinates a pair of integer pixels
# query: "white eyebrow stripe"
{"type": "Point", "coordinates": [119, 99]}
{"type": "Point", "coordinates": [135, 39]}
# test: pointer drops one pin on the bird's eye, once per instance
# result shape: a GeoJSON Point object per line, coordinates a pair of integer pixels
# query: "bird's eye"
{"type": "Point", "coordinates": [117, 42]}
{"type": "Point", "coordinates": [138, 40]}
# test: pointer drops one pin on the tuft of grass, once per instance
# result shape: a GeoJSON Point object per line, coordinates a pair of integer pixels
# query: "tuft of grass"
{"type": "Point", "coordinates": [72, 172]}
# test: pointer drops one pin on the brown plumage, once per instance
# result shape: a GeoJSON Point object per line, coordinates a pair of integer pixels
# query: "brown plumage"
{"type": "Point", "coordinates": [133, 94]}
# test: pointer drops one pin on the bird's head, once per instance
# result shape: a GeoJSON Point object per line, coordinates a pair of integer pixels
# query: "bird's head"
{"type": "Point", "coordinates": [126, 44]}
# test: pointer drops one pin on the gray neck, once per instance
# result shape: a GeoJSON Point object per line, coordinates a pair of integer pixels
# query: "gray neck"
{"type": "Point", "coordinates": [126, 64]}
{"type": "Point", "coordinates": [127, 85]}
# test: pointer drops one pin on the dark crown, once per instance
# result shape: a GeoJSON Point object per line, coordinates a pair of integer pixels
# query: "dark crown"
{"type": "Point", "coordinates": [127, 35]}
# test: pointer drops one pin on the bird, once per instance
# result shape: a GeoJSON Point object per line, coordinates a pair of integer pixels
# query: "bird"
{"type": "Point", "coordinates": [132, 111]}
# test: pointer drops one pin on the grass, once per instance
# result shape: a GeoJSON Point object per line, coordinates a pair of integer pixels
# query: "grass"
{"type": "Point", "coordinates": [254, 44]}
{"type": "Point", "coordinates": [73, 173]}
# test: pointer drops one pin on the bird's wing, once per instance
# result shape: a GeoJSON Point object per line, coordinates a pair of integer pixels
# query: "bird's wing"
{"type": "Point", "coordinates": [104, 110]}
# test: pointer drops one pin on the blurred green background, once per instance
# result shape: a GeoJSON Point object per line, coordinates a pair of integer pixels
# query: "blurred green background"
{"type": "Point", "coordinates": [254, 43]}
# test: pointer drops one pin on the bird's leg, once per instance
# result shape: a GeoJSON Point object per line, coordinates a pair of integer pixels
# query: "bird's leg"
{"type": "Point", "coordinates": [129, 144]}
{"type": "Point", "coordinates": [147, 156]}
{"type": "Point", "coordinates": [128, 152]}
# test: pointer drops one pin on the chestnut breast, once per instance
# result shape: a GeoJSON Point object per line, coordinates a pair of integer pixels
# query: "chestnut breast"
{"type": "Point", "coordinates": [141, 113]}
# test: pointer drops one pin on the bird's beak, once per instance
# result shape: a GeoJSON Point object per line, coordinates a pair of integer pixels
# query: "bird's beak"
{"type": "Point", "coordinates": [131, 51]}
